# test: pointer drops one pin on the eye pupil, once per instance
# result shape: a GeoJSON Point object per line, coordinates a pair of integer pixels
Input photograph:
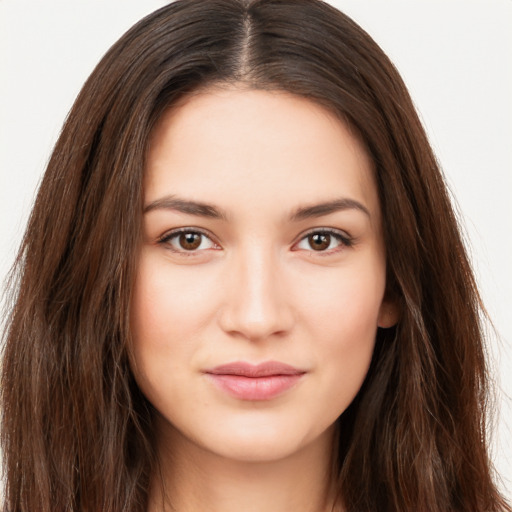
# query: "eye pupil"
{"type": "Point", "coordinates": [319, 241]}
{"type": "Point", "coordinates": [190, 241]}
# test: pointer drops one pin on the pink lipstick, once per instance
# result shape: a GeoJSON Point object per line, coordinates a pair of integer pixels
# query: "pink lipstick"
{"type": "Point", "coordinates": [263, 381]}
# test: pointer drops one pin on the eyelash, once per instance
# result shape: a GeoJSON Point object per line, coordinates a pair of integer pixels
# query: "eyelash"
{"type": "Point", "coordinates": [344, 239]}
{"type": "Point", "coordinates": [167, 237]}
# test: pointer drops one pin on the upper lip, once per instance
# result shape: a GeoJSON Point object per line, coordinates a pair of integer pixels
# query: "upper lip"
{"type": "Point", "coordinates": [245, 369]}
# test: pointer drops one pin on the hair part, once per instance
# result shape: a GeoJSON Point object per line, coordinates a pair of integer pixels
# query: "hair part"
{"type": "Point", "coordinates": [76, 431]}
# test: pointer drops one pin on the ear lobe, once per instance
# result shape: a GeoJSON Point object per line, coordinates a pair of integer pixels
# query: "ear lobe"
{"type": "Point", "coordinates": [389, 314]}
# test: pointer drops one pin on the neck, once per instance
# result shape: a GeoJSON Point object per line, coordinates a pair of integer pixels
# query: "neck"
{"type": "Point", "coordinates": [193, 479]}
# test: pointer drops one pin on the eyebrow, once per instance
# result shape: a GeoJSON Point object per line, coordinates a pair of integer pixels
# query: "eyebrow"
{"type": "Point", "coordinates": [321, 209]}
{"type": "Point", "coordinates": [186, 206]}
{"type": "Point", "coordinates": [201, 209]}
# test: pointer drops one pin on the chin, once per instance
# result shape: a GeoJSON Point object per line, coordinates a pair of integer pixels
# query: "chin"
{"type": "Point", "coordinates": [260, 440]}
{"type": "Point", "coordinates": [257, 449]}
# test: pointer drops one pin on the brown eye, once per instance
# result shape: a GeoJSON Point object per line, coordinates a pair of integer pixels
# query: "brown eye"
{"type": "Point", "coordinates": [319, 241]}
{"type": "Point", "coordinates": [325, 241]}
{"type": "Point", "coordinates": [190, 241]}
{"type": "Point", "coordinates": [187, 241]}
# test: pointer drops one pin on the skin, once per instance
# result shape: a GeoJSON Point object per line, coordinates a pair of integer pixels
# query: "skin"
{"type": "Point", "coordinates": [254, 289]}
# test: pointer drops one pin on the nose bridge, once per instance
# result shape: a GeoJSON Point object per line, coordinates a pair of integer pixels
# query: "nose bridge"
{"type": "Point", "coordinates": [257, 306]}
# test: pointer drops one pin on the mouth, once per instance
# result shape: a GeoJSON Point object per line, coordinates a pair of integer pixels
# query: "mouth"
{"type": "Point", "coordinates": [246, 381]}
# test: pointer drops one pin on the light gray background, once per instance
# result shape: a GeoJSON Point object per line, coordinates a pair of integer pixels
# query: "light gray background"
{"type": "Point", "coordinates": [455, 56]}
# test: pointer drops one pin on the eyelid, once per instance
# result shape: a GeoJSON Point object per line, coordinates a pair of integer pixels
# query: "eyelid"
{"type": "Point", "coordinates": [346, 240]}
{"type": "Point", "coordinates": [168, 235]}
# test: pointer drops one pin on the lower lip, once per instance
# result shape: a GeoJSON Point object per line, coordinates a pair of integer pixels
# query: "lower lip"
{"type": "Point", "coordinates": [255, 388]}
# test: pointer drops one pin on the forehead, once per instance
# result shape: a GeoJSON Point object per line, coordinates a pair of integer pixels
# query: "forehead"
{"type": "Point", "coordinates": [246, 147]}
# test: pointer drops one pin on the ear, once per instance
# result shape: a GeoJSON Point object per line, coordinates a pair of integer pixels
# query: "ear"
{"type": "Point", "coordinates": [389, 313]}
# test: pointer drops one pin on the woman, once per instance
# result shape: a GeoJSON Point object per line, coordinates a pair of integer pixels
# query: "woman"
{"type": "Point", "coordinates": [242, 285]}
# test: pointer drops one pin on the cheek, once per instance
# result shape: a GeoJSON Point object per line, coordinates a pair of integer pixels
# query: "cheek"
{"type": "Point", "coordinates": [341, 315]}
{"type": "Point", "coordinates": [167, 311]}
{"type": "Point", "coordinates": [169, 304]}
{"type": "Point", "coordinates": [346, 300]}
{"type": "Point", "coordinates": [164, 322]}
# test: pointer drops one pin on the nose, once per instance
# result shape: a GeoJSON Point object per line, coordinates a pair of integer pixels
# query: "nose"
{"type": "Point", "coordinates": [256, 304]}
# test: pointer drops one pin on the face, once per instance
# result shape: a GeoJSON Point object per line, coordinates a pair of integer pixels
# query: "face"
{"type": "Point", "coordinates": [261, 276]}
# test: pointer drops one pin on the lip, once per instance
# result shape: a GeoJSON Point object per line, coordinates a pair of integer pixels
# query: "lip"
{"type": "Point", "coordinates": [247, 381]}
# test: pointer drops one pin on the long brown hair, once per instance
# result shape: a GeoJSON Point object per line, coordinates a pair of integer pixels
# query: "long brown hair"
{"type": "Point", "coordinates": [77, 432]}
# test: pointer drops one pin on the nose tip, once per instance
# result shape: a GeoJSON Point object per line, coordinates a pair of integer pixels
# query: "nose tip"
{"type": "Point", "coordinates": [257, 306]}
